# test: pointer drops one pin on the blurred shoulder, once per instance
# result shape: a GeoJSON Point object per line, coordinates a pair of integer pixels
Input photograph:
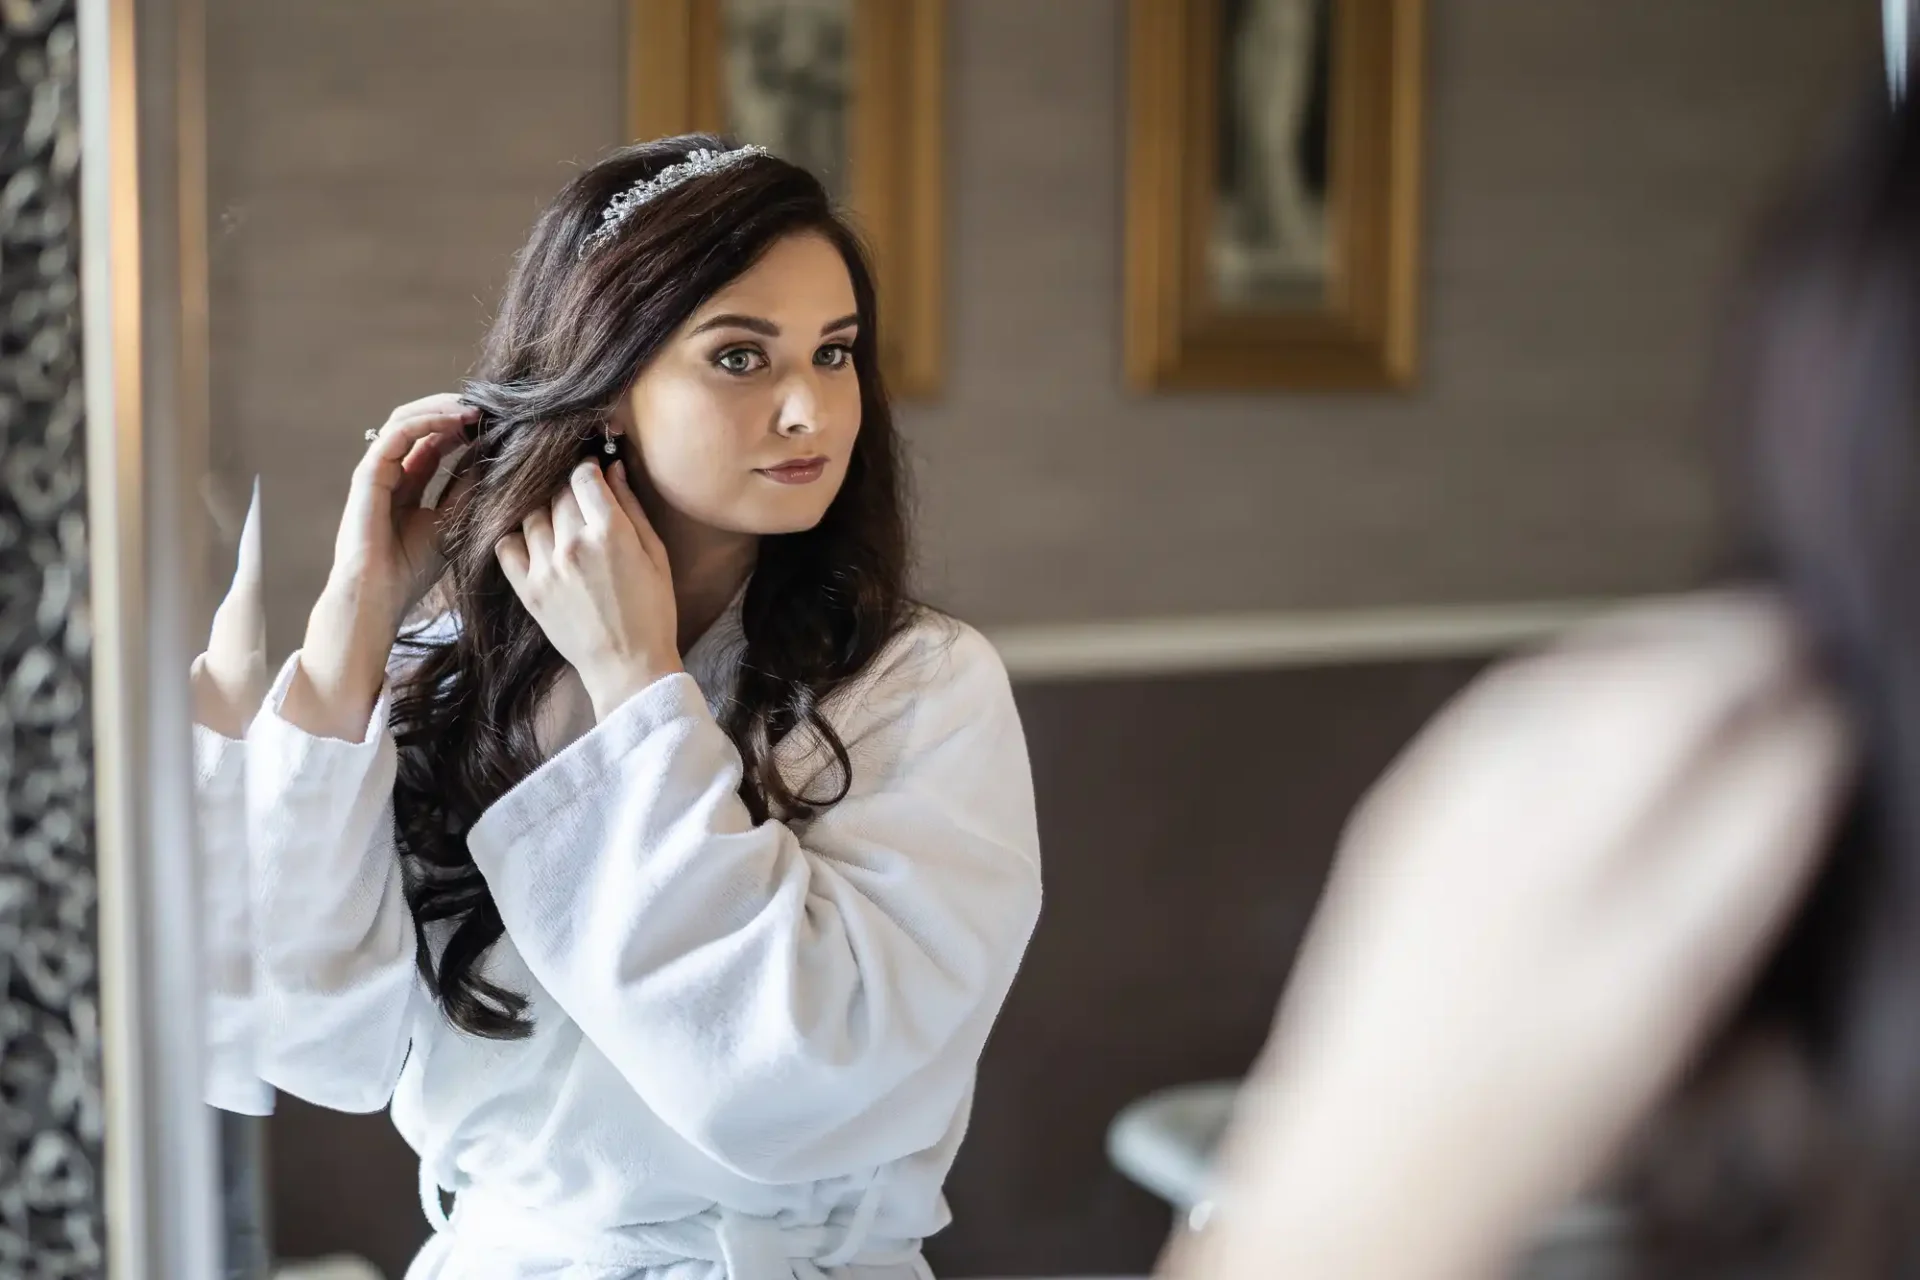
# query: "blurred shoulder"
{"type": "Point", "coordinates": [935, 697]}
{"type": "Point", "coordinates": [935, 669]}
{"type": "Point", "coordinates": [938, 654]}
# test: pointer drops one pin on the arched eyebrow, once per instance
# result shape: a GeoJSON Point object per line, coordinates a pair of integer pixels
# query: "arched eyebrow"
{"type": "Point", "coordinates": [752, 324]}
{"type": "Point", "coordinates": [767, 328]}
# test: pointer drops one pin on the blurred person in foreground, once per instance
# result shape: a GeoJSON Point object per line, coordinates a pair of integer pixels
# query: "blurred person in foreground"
{"type": "Point", "coordinates": [1644, 911]}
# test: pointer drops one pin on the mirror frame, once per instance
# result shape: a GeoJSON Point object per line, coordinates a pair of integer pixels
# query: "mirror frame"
{"type": "Point", "coordinates": [143, 282]}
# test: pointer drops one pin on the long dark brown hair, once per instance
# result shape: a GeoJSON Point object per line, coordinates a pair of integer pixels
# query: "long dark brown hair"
{"type": "Point", "coordinates": [1796, 1151]}
{"type": "Point", "coordinates": [572, 333]}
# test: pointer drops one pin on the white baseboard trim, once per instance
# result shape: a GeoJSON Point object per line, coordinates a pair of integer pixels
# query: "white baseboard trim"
{"type": "Point", "coordinates": [1258, 641]}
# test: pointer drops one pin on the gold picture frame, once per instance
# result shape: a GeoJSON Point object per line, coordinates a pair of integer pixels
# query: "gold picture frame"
{"type": "Point", "coordinates": [895, 147]}
{"type": "Point", "coordinates": [1357, 329]}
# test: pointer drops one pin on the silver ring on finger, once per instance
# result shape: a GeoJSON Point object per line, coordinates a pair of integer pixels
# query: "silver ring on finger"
{"type": "Point", "coordinates": [373, 433]}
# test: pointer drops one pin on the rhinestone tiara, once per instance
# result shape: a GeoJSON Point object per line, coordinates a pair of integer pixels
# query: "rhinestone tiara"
{"type": "Point", "coordinates": [698, 163]}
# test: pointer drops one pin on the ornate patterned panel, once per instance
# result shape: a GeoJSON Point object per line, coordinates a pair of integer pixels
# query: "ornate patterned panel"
{"type": "Point", "coordinates": [51, 1214]}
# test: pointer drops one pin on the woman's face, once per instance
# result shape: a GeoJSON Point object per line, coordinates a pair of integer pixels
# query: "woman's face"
{"type": "Point", "coordinates": [746, 419]}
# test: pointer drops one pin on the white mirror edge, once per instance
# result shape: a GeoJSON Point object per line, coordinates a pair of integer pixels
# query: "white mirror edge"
{"type": "Point", "coordinates": [143, 299]}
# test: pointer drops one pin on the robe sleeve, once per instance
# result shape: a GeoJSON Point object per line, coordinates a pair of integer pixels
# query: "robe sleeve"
{"type": "Point", "coordinates": [232, 1081]}
{"type": "Point", "coordinates": [335, 977]}
{"type": "Point", "coordinates": [795, 1005]}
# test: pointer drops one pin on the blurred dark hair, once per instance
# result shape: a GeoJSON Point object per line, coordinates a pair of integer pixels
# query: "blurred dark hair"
{"type": "Point", "coordinates": [571, 335]}
{"type": "Point", "coordinates": [1796, 1151]}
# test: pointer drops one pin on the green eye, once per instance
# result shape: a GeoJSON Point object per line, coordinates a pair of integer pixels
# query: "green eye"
{"type": "Point", "coordinates": [835, 356]}
{"type": "Point", "coordinates": [740, 360]}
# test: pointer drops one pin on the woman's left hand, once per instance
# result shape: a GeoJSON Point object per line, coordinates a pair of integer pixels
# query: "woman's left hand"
{"type": "Point", "coordinates": [594, 575]}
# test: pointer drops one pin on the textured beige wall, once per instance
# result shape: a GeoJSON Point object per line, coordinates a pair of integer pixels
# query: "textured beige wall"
{"type": "Point", "coordinates": [1591, 166]}
{"type": "Point", "coordinates": [373, 165]}
{"type": "Point", "coordinates": [1591, 163]}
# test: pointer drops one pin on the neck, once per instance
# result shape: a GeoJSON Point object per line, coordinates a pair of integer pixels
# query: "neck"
{"type": "Point", "coordinates": [709, 566]}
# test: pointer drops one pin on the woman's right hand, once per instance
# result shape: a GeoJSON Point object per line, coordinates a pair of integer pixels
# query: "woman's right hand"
{"type": "Point", "coordinates": [386, 556]}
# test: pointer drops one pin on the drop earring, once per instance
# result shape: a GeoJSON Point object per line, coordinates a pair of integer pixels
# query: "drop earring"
{"type": "Point", "coordinates": [610, 448]}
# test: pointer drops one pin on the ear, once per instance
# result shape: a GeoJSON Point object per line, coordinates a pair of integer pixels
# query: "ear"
{"type": "Point", "coordinates": [620, 416]}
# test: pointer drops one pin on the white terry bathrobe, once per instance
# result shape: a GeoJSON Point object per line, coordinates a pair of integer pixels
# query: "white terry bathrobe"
{"type": "Point", "coordinates": [754, 1047]}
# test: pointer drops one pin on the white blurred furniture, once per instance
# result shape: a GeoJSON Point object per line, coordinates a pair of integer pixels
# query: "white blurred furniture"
{"type": "Point", "coordinates": [1166, 1143]}
{"type": "Point", "coordinates": [343, 1267]}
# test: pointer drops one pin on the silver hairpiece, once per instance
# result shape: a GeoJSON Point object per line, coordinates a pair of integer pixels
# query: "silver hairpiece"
{"type": "Point", "coordinates": [697, 164]}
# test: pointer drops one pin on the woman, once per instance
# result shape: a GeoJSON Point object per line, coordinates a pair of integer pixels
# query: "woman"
{"type": "Point", "coordinates": [669, 877]}
{"type": "Point", "coordinates": [1578, 875]}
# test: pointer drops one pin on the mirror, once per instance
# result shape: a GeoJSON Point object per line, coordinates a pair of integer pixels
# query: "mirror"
{"type": "Point", "coordinates": [684, 1001]}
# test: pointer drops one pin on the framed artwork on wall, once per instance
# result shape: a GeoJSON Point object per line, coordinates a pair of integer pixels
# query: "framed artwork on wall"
{"type": "Point", "coordinates": [1273, 193]}
{"type": "Point", "coordinates": [852, 89]}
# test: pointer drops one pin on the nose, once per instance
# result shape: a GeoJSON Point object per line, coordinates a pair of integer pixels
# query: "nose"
{"type": "Point", "coordinates": [798, 414]}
